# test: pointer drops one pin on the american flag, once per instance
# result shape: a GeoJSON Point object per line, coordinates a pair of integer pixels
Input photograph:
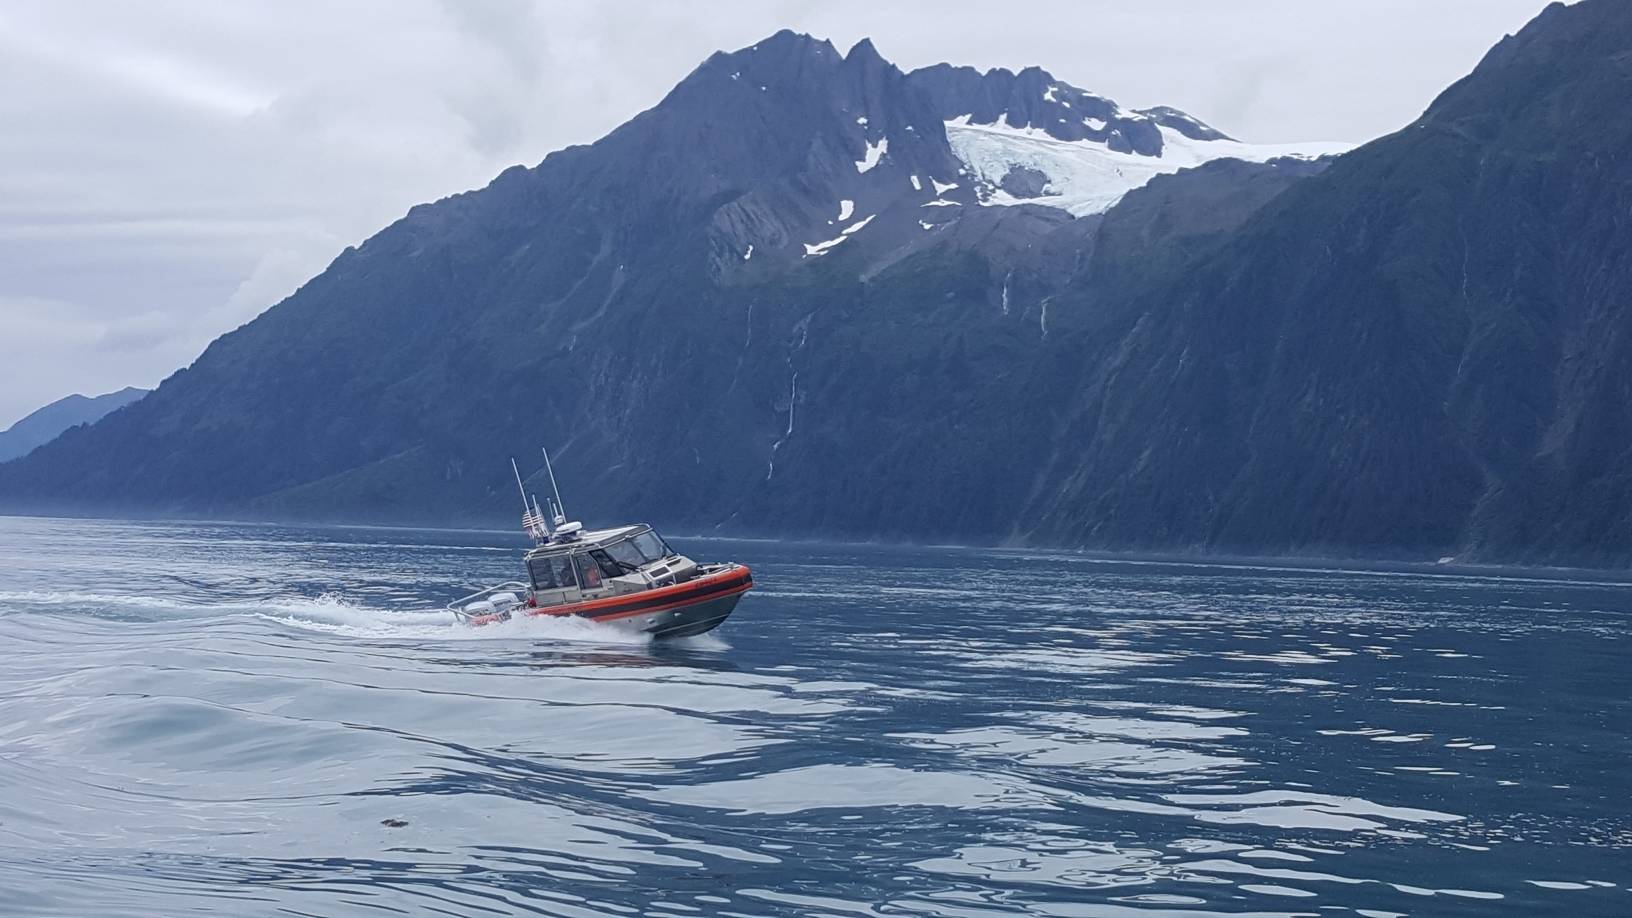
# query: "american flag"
{"type": "Point", "coordinates": [533, 524]}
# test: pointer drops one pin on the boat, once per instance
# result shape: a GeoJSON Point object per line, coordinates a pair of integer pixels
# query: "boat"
{"type": "Point", "coordinates": [624, 576]}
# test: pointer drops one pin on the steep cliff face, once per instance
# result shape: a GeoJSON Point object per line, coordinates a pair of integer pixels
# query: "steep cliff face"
{"type": "Point", "coordinates": [792, 298]}
{"type": "Point", "coordinates": [1421, 350]}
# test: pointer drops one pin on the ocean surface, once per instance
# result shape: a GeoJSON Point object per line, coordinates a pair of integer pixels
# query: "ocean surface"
{"type": "Point", "coordinates": [266, 720]}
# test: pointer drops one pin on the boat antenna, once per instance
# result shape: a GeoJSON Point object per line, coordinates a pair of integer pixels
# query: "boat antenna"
{"type": "Point", "coordinates": [560, 512]}
{"type": "Point", "coordinates": [519, 486]}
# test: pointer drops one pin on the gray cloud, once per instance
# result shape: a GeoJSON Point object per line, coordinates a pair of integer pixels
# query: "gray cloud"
{"type": "Point", "coordinates": [170, 169]}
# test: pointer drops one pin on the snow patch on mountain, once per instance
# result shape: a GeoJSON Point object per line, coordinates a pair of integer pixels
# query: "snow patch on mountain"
{"type": "Point", "coordinates": [817, 249]}
{"type": "Point", "coordinates": [846, 208]}
{"type": "Point", "coordinates": [1086, 176]}
{"type": "Point", "coordinates": [875, 152]}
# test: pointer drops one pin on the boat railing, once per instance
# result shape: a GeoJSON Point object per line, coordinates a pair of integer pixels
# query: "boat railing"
{"type": "Point", "coordinates": [459, 606]}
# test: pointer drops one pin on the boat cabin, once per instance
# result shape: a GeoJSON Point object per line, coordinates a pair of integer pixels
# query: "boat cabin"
{"type": "Point", "coordinates": [601, 563]}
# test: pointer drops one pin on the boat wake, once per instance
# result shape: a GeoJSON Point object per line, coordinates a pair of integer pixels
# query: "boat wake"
{"type": "Point", "coordinates": [334, 614]}
{"type": "Point", "coordinates": [330, 613]}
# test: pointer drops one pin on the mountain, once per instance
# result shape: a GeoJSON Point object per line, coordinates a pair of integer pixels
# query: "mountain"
{"type": "Point", "coordinates": [810, 294]}
{"type": "Point", "coordinates": [671, 306]}
{"type": "Point", "coordinates": [1424, 350]}
{"type": "Point", "coordinates": [45, 424]}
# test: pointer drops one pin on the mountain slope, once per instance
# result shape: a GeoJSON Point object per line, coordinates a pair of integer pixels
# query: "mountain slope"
{"type": "Point", "coordinates": [598, 295]}
{"type": "Point", "coordinates": [47, 423]}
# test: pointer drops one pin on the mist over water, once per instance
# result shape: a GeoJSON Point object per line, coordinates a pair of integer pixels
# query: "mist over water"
{"type": "Point", "coordinates": [264, 720]}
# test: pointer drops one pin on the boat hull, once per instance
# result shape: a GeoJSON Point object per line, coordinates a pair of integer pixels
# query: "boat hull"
{"type": "Point", "coordinates": [697, 618]}
{"type": "Point", "coordinates": [682, 610]}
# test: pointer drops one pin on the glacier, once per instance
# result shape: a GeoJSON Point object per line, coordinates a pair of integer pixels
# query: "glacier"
{"type": "Point", "coordinates": [1087, 176]}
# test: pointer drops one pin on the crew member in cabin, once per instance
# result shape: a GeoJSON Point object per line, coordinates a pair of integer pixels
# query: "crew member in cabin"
{"type": "Point", "coordinates": [589, 572]}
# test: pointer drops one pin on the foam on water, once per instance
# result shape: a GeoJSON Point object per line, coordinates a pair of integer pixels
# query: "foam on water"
{"type": "Point", "coordinates": [89, 603]}
{"type": "Point", "coordinates": [335, 615]}
{"type": "Point", "coordinates": [330, 613]}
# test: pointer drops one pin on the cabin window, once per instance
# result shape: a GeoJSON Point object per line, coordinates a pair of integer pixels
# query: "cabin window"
{"type": "Point", "coordinates": [651, 546]}
{"type": "Point", "coordinates": [609, 568]}
{"type": "Point", "coordinates": [539, 570]}
{"type": "Point", "coordinates": [565, 577]}
{"type": "Point", "coordinates": [552, 572]}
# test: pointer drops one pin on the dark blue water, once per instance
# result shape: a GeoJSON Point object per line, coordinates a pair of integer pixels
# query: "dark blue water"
{"type": "Point", "coordinates": [252, 720]}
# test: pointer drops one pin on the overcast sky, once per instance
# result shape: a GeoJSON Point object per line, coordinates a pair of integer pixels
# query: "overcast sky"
{"type": "Point", "coordinates": [170, 169]}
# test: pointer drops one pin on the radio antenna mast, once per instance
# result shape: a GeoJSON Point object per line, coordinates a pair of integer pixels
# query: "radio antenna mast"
{"type": "Point", "coordinates": [560, 511]}
{"type": "Point", "coordinates": [519, 486]}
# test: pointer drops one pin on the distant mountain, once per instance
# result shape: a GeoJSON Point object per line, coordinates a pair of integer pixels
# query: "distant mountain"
{"type": "Point", "coordinates": [808, 293]}
{"type": "Point", "coordinates": [45, 424]}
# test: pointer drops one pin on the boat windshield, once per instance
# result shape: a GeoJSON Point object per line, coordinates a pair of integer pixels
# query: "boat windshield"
{"type": "Point", "coordinates": [651, 545]}
{"type": "Point", "coordinates": [626, 555]}
{"type": "Point", "coordinates": [642, 548]}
